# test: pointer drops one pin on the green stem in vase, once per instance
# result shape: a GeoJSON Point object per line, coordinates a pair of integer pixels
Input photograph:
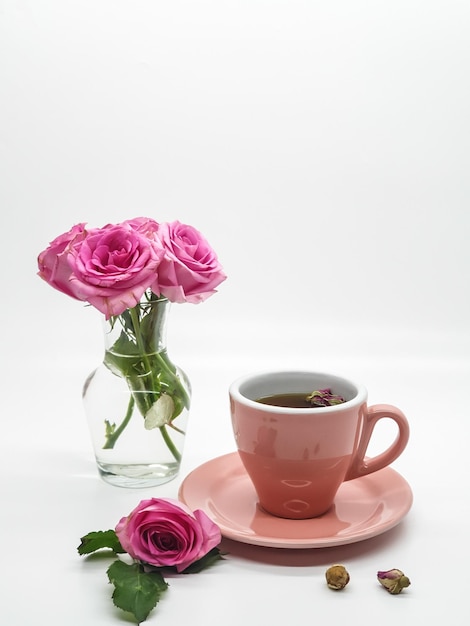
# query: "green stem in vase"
{"type": "Point", "coordinates": [178, 430]}
{"type": "Point", "coordinates": [170, 444]}
{"type": "Point", "coordinates": [139, 356]}
{"type": "Point", "coordinates": [176, 386]}
{"type": "Point", "coordinates": [138, 338]}
{"type": "Point", "coordinates": [113, 435]}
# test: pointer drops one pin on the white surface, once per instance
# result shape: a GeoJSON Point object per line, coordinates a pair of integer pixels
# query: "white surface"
{"type": "Point", "coordinates": [322, 147]}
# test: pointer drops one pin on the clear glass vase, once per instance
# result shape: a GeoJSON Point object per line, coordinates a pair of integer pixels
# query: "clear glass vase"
{"type": "Point", "coordinates": [137, 401]}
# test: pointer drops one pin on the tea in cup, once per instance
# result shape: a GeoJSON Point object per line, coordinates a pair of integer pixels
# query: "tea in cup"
{"type": "Point", "coordinates": [301, 434]}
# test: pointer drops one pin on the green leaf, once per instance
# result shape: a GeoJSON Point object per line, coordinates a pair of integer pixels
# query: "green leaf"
{"type": "Point", "coordinates": [136, 591]}
{"type": "Point", "coordinates": [206, 561]}
{"type": "Point", "coordinates": [98, 541]}
{"type": "Point", "coordinates": [126, 365]}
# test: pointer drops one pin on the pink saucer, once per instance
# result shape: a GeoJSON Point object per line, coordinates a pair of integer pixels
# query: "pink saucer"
{"type": "Point", "coordinates": [363, 508]}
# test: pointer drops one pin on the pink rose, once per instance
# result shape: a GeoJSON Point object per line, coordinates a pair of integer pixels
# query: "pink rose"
{"type": "Point", "coordinates": [114, 265]}
{"type": "Point", "coordinates": [53, 262]}
{"type": "Point", "coordinates": [190, 270]}
{"type": "Point", "coordinates": [165, 533]}
{"type": "Point", "coordinates": [145, 225]}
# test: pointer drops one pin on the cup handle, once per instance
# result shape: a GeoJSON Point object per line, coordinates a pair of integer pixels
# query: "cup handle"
{"type": "Point", "coordinates": [362, 465]}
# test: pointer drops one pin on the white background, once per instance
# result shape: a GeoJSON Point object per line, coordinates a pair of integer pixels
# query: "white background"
{"type": "Point", "coordinates": [323, 149]}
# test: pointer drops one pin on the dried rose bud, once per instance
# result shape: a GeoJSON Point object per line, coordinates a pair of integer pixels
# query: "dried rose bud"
{"type": "Point", "coordinates": [394, 580]}
{"type": "Point", "coordinates": [337, 577]}
{"type": "Point", "coordinates": [324, 397]}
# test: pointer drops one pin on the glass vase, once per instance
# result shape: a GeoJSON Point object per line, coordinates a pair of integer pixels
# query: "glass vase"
{"type": "Point", "coordinates": [137, 401]}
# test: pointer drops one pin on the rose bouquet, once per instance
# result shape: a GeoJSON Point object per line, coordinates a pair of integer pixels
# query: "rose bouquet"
{"type": "Point", "coordinates": [130, 271]}
{"type": "Point", "coordinates": [160, 535]}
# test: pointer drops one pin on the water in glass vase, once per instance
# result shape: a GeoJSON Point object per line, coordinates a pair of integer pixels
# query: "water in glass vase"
{"type": "Point", "coordinates": [137, 401]}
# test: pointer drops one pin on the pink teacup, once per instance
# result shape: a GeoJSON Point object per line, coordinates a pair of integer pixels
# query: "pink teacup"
{"type": "Point", "coordinates": [297, 458]}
